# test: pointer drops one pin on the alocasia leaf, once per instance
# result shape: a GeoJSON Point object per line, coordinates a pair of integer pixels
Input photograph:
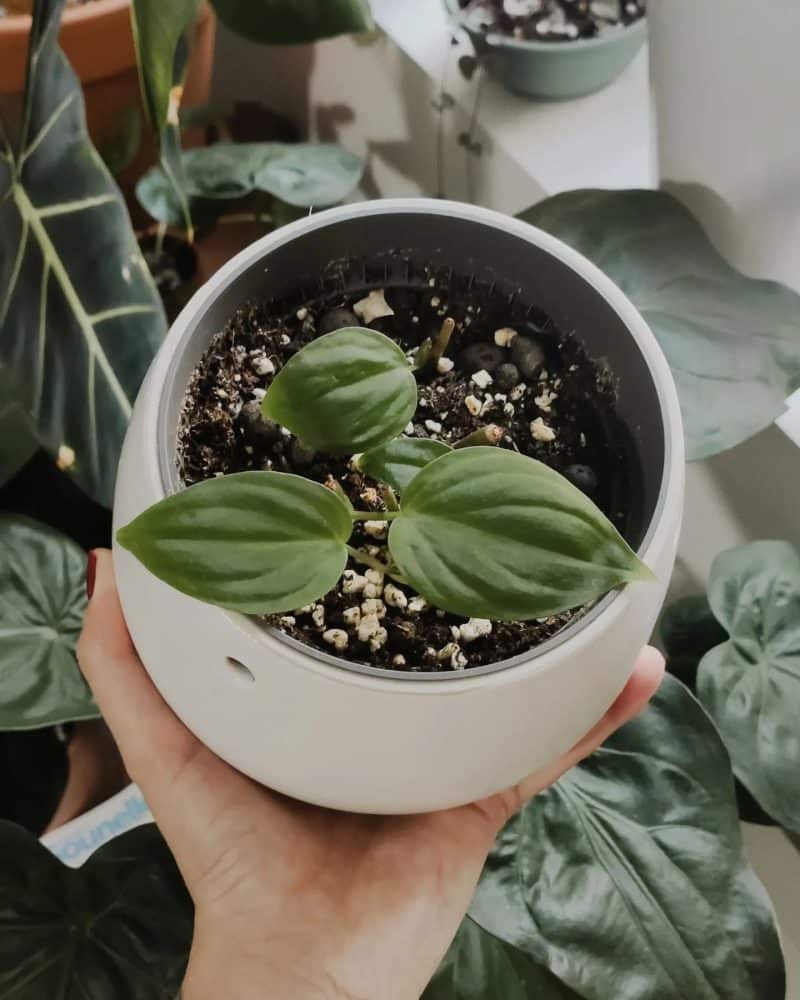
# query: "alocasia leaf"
{"type": "Point", "coordinates": [257, 542]}
{"type": "Point", "coordinates": [733, 342]}
{"type": "Point", "coordinates": [688, 630]}
{"type": "Point", "coordinates": [751, 683]}
{"type": "Point", "coordinates": [345, 392]}
{"type": "Point", "coordinates": [289, 22]}
{"type": "Point", "coordinates": [627, 879]}
{"type": "Point", "coordinates": [80, 318]}
{"type": "Point", "coordinates": [491, 533]}
{"type": "Point", "coordinates": [18, 441]}
{"type": "Point", "coordinates": [120, 926]}
{"type": "Point", "coordinates": [42, 600]}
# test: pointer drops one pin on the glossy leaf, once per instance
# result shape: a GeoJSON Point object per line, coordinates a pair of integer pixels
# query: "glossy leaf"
{"type": "Point", "coordinates": [257, 542]}
{"type": "Point", "coordinates": [751, 683]}
{"type": "Point", "coordinates": [346, 392]}
{"type": "Point", "coordinates": [397, 462]}
{"type": "Point", "coordinates": [79, 315]}
{"type": "Point", "coordinates": [120, 926]}
{"type": "Point", "coordinates": [303, 175]}
{"type": "Point", "coordinates": [490, 533]}
{"type": "Point", "coordinates": [18, 442]}
{"type": "Point", "coordinates": [120, 146]}
{"type": "Point", "coordinates": [289, 22]}
{"type": "Point", "coordinates": [733, 342]}
{"type": "Point", "coordinates": [479, 966]}
{"type": "Point", "coordinates": [42, 600]}
{"type": "Point", "coordinates": [688, 631]}
{"type": "Point", "coordinates": [159, 31]}
{"type": "Point", "coordinates": [627, 878]}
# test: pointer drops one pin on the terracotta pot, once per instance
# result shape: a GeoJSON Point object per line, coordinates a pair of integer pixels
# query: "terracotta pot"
{"type": "Point", "coordinates": [98, 41]}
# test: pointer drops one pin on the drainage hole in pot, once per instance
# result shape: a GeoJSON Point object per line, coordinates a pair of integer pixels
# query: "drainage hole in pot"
{"type": "Point", "coordinates": [237, 670]}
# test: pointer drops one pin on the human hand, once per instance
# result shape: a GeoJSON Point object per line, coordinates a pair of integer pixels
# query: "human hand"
{"type": "Point", "coordinates": [294, 901]}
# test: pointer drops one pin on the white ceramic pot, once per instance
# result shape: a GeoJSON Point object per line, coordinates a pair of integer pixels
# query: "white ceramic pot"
{"type": "Point", "coordinates": [358, 738]}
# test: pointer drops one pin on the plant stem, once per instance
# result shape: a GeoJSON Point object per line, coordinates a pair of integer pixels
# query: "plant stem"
{"type": "Point", "coordinates": [390, 498]}
{"type": "Point", "coordinates": [374, 515]}
{"type": "Point", "coordinates": [491, 434]}
{"type": "Point", "coordinates": [367, 560]}
{"type": "Point", "coordinates": [161, 232]}
{"type": "Point", "coordinates": [423, 354]}
{"type": "Point", "coordinates": [441, 342]}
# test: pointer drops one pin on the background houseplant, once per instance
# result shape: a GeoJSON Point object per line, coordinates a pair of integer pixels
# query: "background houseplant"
{"type": "Point", "coordinates": [478, 961]}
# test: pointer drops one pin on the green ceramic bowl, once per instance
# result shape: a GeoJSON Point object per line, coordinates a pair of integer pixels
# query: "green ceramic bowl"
{"type": "Point", "coordinates": [556, 71]}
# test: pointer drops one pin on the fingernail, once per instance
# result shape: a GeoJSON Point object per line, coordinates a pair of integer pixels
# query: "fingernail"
{"type": "Point", "coordinates": [91, 567]}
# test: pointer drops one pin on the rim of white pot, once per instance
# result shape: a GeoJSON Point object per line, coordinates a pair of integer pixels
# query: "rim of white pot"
{"type": "Point", "coordinates": [641, 336]}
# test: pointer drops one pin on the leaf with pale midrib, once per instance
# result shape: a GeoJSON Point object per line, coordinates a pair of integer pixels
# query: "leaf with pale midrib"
{"type": "Point", "coordinates": [627, 878]}
{"type": "Point", "coordinates": [733, 342]}
{"type": "Point", "coordinates": [42, 600]}
{"type": "Point", "coordinates": [80, 317]}
{"type": "Point", "coordinates": [751, 683]}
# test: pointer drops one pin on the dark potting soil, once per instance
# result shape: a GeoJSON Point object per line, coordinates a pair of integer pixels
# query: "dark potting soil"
{"type": "Point", "coordinates": [506, 365]}
{"type": "Point", "coordinates": [552, 20]}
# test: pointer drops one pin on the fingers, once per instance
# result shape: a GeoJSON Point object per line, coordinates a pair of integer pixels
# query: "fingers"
{"type": "Point", "coordinates": [642, 685]}
{"type": "Point", "coordinates": [153, 742]}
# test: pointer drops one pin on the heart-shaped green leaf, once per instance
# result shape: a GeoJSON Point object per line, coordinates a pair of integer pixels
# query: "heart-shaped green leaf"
{"type": "Point", "coordinates": [120, 926]}
{"type": "Point", "coordinates": [733, 343]}
{"type": "Point", "coordinates": [346, 392]}
{"type": "Point", "coordinates": [303, 175]}
{"type": "Point", "coordinates": [257, 542]}
{"type": "Point", "coordinates": [627, 878]}
{"type": "Point", "coordinates": [490, 533]}
{"type": "Point", "coordinates": [42, 600]}
{"type": "Point", "coordinates": [309, 175]}
{"type": "Point", "coordinates": [397, 462]}
{"type": "Point", "coordinates": [479, 966]}
{"type": "Point", "coordinates": [18, 442]}
{"type": "Point", "coordinates": [290, 22]}
{"type": "Point", "coordinates": [80, 316]}
{"type": "Point", "coordinates": [751, 684]}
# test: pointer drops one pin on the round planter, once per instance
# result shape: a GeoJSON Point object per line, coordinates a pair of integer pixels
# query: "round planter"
{"type": "Point", "coordinates": [555, 71]}
{"type": "Point", "coordinates": [352, 737]}
{"type": "Point", "coordinates": [97, 38]}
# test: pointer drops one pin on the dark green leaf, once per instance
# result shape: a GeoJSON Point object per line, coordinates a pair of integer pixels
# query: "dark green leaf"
{"type": "Point", "coordinates": [289, 22]}
{"type": "Point", "coordinates": [159, 31]}
{"type": "Point", "coordinates": [18, 442]}
{"type": "Point", "coordinates": [257, 542]}
{"type": "Point", "coordinates": [119, 927]}
{"type": "Point", "coordinates": [303, 175]}
{"type": "Point", "coordinates": [79, 314]}
{"type": "Point", "coordinates": [346, 392]}
{"type": "Point", "coordinates": [42, 600]}
{"type": "Point", "coordinates": [733, 343]}
{"type": "Point", "coordinates": [688, 630]}
{"type": "Point", "coordinates": [479, 966]}
{"type": "Point", "coordinates": [121, 146]}
{"type": "Point", "coordinates": [494, 534]}
{"type": "Point", "coordinates": [751, 684]}
{"type": "Point", "coordinates": [627, 878]}
{"type": "Point", "coordinates": [397, 462]}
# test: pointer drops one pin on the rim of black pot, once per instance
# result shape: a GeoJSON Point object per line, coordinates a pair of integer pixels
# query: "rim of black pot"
{"type": "Point", "coordinates": [212, 314]}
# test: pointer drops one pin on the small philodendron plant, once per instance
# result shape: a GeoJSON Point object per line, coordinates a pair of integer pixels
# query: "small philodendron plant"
{"type": "Point", "coordinates": [476, 530]}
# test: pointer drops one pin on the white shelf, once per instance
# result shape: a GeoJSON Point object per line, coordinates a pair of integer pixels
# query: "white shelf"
{"type": "Point", "coordinates": [603, 140]}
